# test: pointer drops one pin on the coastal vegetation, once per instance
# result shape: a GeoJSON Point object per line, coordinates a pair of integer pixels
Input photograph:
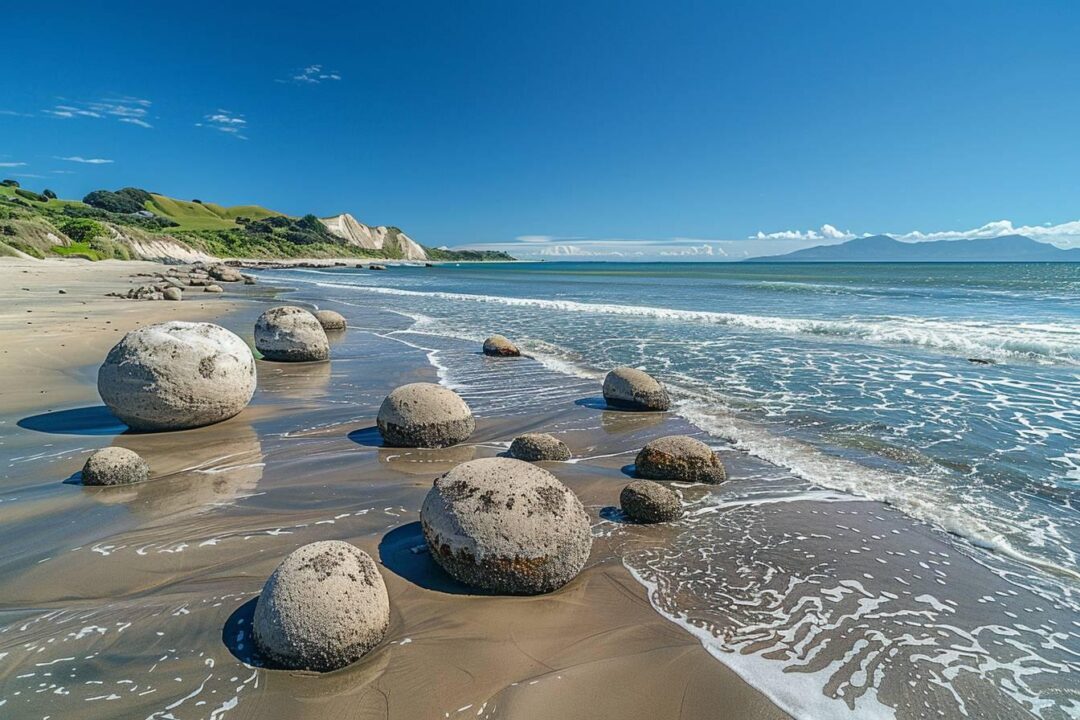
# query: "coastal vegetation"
{"type": "Point", "coordinates": [117, 223]}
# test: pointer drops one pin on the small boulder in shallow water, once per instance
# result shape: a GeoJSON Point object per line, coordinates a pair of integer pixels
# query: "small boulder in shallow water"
{"type": "Point", "coordinates": [291, 334]}
{"type": "Point", "coordinates": [499, 346]}
{"type": "Point", "coordinates": [323, 608]}
{"type": "Point", "coordinates": [506, 526]}
{"type": "Point", "coordinates": [114, 466]}
{"type": "Point", "coordinates": [177, 375]}
{"type": "Point", "coordinates": [535, 447]}
{"type": "Point", "coordinates": [632, 389]}
{"type": "Point", "coordinates": [330, 320]}
{"type": "Point", "coordinates": [424, 415]}
{"type": "Point", "coordinates": [679, 457]}
{"type": "Point", "coordinates": [645, 501]}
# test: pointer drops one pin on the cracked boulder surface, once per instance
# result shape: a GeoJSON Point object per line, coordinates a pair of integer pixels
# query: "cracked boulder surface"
{"type": "Point", "coordinates": [506, 526]}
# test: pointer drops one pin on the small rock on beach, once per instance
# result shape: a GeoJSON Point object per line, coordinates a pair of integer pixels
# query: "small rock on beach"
{"type": "Point", "coordinates": [536, 447]}
{"type": "Point", "coordinates": [424, 415]}
{"type": "Point", "coordinates": [499, 346]}
{"type": "Point", "coordinates": [632, 389]}
{"type": "Point", "coordinates": [679, 457]}
{"type": "Point", "coordinates": [114, 466]}
{"type": "Point", "coordinates": [330, 320]}
{"type": "Point", "coordinates": [645, 501]}
{"type": "Point", "coordinates": [291, 334]}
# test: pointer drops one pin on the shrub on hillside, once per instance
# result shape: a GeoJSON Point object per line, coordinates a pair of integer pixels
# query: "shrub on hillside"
{"type": "Point", "coordinates": [126, 200]}
{"type": "Point", "coordinates": [83, 229]}
{"type": "Point", "coordinates": [9, 183]}
{"type": "Point", "coordinates": [49, 194]}
{"type": "Point", "coordinates": [30, 195]}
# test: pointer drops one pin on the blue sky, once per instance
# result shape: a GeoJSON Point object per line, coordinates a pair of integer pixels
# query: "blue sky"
{"type": "Point", "coordinates": [593, 129]}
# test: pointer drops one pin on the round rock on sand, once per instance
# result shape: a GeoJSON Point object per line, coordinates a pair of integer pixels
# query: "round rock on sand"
{"type": "Point", "coordinates": [330, 320]}
{"type": "Point", "coordinates": [645, 501]}
{"type": "Point", "coordinates": [290, 334]}
{"type": "Point", "coordinates": [499, 346]}
{"type": "Point", "coordinates": [679, 457]}
{"type": "Point", "coordinates": [631, 389]}
{"type": "Point", "coordinates": [506, 526]}
{"type": "Point", "coordinates": [114, 466]}
{"type": "Point", "coordinates": [424, 415]}
{"type": "Point", "coordinates": [172, 293]}
{"type": "Point", "coordinates": [177, 375]}
{"type": "Point", "coordinates": [224, 273]}
{"type": "Point", "coordinates": [323, 608]}
{"type": "Point", "coordinates": [213, 289]}
{"type": "Point", "coordinates": [534, 447]}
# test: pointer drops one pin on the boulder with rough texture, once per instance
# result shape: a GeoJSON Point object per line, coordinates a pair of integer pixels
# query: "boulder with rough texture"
{"type": "Point", "coordinates": [499, 346]}
{"type": "Point", "coordinates": [632, 389]}
{"type": "Point", "coordinates": [177, 375]}
{"type": "Point", "coordinates": [114, 466]}
{"type": "Point", "coordinates": [424, 415]}
{"type": "Point", "coordinates": [679, 457]}
{"type": "Point", "coordinates": [290, 334]}
{"type": "Point", "coordinates": [324, 607]}
{"type": "Point", "coordinates": [330, 320]}
{"type": "Point", "coordinates": [171, 293]}
{"type": "Point", "coordinates": [213, 289]}
{"type": "Point", "coordinates": [506, 526]}
{"type": "Point", "coordinates": [645, 501]}
{"type": "Point", "coordinates": [224, 273]}
{"type": "Point", "coordinates": [534, 447]}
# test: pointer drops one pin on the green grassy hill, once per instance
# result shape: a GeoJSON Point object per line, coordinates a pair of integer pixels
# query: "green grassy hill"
{"type": "Point", "coordinates": [204, 216]}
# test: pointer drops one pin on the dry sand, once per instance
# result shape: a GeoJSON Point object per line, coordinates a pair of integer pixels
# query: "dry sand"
{"type": "Point", "coordinates": [136, 602]}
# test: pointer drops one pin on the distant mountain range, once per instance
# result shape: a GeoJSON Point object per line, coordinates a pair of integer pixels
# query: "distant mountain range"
{"type": "Point", "coordinates": [882, 248]}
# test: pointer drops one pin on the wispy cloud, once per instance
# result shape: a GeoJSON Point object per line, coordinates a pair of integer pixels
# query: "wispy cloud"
{"type": "Point", "coordinates": [1067, 233]}
{"type": "Point", "coordinates": [130, 110]}
{"type": "Point", "coordinates": [85, 161]}
{"type": "Point", "coordinates": [227, 122]}
{"type": "Point", "coordinates": [12, 164]}
{"type": "Point", "coordinates": [15, 113]}
{"type": "Point", "coordinates": [62, 172]}
{"type": "Point", "coordinates": [312, 75]}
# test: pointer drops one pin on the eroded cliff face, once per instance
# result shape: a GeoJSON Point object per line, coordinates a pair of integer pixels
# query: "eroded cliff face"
{"type": "Point", "coordinates": [389, 240]}
{"type": "Point", "coordinates": [162, 248]}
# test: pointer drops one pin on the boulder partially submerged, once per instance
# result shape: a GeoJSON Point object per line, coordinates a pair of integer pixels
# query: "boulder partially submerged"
{"type": "Point", "coordinates": [177, 375]}
{"type": "Point", "coordinates": [628, 388]}
{"type": "Point", "coordinates": [645, 501]}
{"type": "Point", "coordinates": [679, 457]}
{"type": "Point", "coordinates": [291, 334]}
{"type": "Point", "coordinates": [115, 466]}
{"type": "Point", "coordinates": [324, 607]}
{"type": "Point", "coordinates": [536, 447]}
{"type": "Point", "coordinates": [506, 526]}
{"type": "Point", "coordinates": [330, 320]}
{"type": "Point", "coordinates": [499, 346]}
{"type": "Point", "coordinates": [424, 415]}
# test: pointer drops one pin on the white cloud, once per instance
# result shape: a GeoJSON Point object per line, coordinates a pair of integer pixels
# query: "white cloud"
{"type": "Point", "coordinates": [312, 75]}
{"type": "Point", "coordinates": [86, 161]}
{"type": "Point", "coordinates": [1067, 233]}
{"type": "Point", "coordinates": [12, 164]}
{"type": "Point", "coordinates": [225, 121]}
{"type": "Point", "coordinates": [827, 232]}
{"type": "Point", "coordinates": [130, 110]}
{"type": "Point", "coordinates": [703, 250]}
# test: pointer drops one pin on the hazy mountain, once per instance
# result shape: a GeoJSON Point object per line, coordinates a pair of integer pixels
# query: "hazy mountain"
{"type": "Point", "coordinates": [882, 248]}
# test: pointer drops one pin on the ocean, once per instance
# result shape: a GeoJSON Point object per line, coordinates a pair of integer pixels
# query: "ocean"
{"type": "Point", "coordinates": [900, 534]}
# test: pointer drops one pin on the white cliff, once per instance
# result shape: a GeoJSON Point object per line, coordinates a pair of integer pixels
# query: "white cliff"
{"type": "Point", "coordinates": [389, 240]}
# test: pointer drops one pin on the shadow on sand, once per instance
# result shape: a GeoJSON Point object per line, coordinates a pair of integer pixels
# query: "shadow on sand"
{"type": "Point", "coordinates": [404, 553]}
{"type": "Point", "coordinates": [90, 420]}
{"type": "Point", "coordinates": [368, 437]}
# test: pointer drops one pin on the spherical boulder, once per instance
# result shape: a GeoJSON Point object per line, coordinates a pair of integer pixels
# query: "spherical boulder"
{"type": "Point", "coordinates": [290, 334]}
{"type": "Point", "coordinates": [172, 293]}
{"type": "Point", "coordinates": [177, 375]}
{"type": "Point", "coordinates": [632, 389]}
{"type": "Point", "coordinates": [645, 501]}
{"type": "Point", "coordinates": [679, 457]}
{"type": "Point", "coordinates": [506, 526]}
{"type": "Point", "coordinates": [424, 415]}
{"type": "Point", "coordinates": [114, 466]}
{"type": "Point", "coordinates": [499, 346]}
{"type": "Point", "coordinates": [324, 607]}
{"type": "Point", "coordinates": [534, 447]}
{"type": "Point", "coordinates": [330, 320]}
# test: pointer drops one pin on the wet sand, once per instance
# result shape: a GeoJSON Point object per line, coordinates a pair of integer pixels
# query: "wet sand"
{"type": "Point", "coordinates": [136, 601]}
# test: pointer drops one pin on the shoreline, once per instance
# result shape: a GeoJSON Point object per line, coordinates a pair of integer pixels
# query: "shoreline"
{"type": "Point", "coordinates": [288, 461]}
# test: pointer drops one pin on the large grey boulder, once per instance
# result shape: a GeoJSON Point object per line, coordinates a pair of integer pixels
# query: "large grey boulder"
{"type": "Point", "coordinates": [114, 466]}
{"type": "Point", "coordinates": [290, 334]}
{"type": "Point", "coordinates": [535, 447]}
{"type": "Point", "coordinates": [323, 608]}
{"type": "Point", "coordinates": [679, 457]}
{"type": "Point", "coordinates": [499, 346]}
{"type": "Point", "coordinates": [330, 320]}
{"type": "Point", "coordinates": [506, 526]}
{"type": "Point", "coordinates": [224, 273]}
{"type": "Point", "coordinates": [177, 375]}
{"type": "Point", "coordinates": [645, 501]}
{"type": "Point", "coordinates": [632, 389]}
{"type": "Point", "coordinates": [424, 415]}
{"type": "Point", "coordinates": [172, 293]}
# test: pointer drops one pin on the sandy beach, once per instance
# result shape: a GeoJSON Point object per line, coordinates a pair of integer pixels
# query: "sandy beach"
{"type": "Point", "coordinates": [136, 601]}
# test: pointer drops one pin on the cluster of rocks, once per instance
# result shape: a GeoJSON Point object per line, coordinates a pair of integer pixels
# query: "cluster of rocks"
{"type": "Point", "coordinates": [172, 283]}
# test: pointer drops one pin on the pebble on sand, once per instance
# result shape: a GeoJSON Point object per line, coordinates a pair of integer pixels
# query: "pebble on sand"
{"type": "Point", "coordinates": [114, 466]}
{"type": "Point", "coordinates": [506, 526]}
{"type": "Point", "coordinates": [632, 389]}
{"type": "Point", "coordinates": [177, 375]}
{"type": "Point", "coordinates": [536, 447]}
{"type": "Point", "coordinates": [424, 415]}
{"type": "Point", "coordinates": [679, 457]}
{"type": "Point", "coordinates": [645, 501]}
{"type": "Point", "coordinates": [291, 334]}
{"type": "Point", "coordinates": [499, 346]}
{"type": "Point", "coordinates": [324, 607]}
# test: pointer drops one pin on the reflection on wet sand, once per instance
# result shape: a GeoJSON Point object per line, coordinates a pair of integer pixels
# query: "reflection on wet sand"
{"type": "Point", "coordinates": [300, 381]}
{"type": "Point", "coordinates": [424, 461]}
